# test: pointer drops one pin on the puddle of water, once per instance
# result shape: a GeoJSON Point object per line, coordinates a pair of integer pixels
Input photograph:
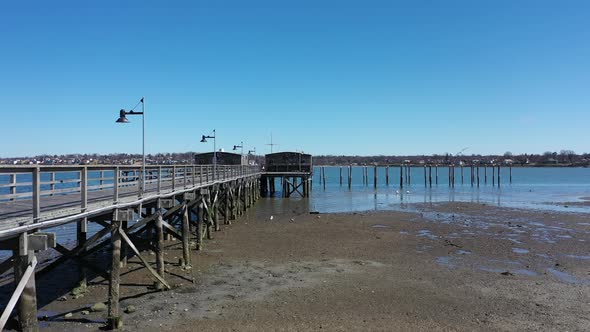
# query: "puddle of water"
{"type": "Point", "coordinates": [463, 252]}
{"type": "Point", "coordinates": [526, 272]}
{"type": "Point", "coordinates": [491, 269]}
{"type": "Point", "coordinates": [380, 226]}
{"type": "Point", "coordinates": [523, 272]}
{"type": "Point", "coordinates": [578, 257]}
{"type": "Point", "coordinates": [520, 251]}
{"type": "Point", "coordinates": [445, 260]}
{"type": "Point", "coordinates": [566, 277]}
{"type": "Point", "coordinates": [404, 232]}
{"type": "Point", "coordinates": [426, 233]}
{"type": "Point", "coordinates": [45, 317]}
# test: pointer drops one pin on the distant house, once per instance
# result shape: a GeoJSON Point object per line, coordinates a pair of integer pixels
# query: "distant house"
{"type": "Point", "coordinates": [508, 161]}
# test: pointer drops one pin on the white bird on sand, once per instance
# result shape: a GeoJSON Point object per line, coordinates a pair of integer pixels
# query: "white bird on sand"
{"type": "Point", "coordinates": [271, 218]}
{"type": "Point", "coordinates": [407, 191]}
{"type": "Point", "coordinates": [397, 192]}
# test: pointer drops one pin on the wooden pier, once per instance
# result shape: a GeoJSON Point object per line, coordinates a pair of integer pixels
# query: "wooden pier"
{"type": "Point", "coordinates": [187, 202]}
{"type": "Point", "coordinates": [293, 169]}
{"type": "Point", "coordinates": [431, 174]}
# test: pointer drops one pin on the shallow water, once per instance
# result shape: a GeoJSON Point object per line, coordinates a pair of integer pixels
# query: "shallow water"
{"type": "Point", "coordinates": [535, 188]}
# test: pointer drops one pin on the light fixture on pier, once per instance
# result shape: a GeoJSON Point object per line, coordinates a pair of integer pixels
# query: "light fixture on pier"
{"type": "Point", "coordinates": [239, 146]}
{"type": "Point", "coordinates": [123, 119]}
{"type": "Point", "coordinates": [204, 140]}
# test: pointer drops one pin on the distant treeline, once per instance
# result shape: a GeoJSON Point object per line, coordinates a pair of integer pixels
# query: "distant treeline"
{"type": "Point", "coordinates": [562, 158]}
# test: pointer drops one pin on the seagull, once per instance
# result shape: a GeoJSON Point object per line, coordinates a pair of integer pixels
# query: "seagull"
{"type": "Point", "coordinates": [407, 191]}
{"type": "Point", "coordinates": [397, 192]}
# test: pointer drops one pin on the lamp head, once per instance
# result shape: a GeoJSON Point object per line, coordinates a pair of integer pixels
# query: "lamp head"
{"type": "Point", "coordinates": [122, 118]}
{"type": "Point", "coordinates": [235, 147]}
{"type": "Point", "coordinates": [203, 140]}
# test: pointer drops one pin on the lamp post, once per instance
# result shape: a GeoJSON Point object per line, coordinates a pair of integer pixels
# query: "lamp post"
{"type": "Point", "coordinates": [123, 119]}
{"type": "Point", "coordinates": [240, 146]}
{"type": "Point", "coordinates": [204, 140]}
{"type": "Point", "coordinates": [249, 153]}
{"type": "Point", "coordinates": [242, 153]}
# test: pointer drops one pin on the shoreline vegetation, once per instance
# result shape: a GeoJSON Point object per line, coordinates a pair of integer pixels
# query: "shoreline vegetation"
{"type": "Point", "coordinates": [565, 158]}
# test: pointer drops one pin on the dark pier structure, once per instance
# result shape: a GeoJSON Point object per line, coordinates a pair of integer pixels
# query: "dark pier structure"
{"type": "Point", "coordinates": [185, 202]}
{"type": "Point", "coordinates": [293, 169]}
{"type": "Point", "coordinates": [223, 158]}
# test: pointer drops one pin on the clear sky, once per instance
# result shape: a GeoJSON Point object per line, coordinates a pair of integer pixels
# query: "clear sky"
{"type": "Point", "coordinates": [327, 77]}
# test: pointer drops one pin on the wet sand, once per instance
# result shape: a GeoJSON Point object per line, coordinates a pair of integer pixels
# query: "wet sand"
{"type": "Point", "coordinates": [447, 267]}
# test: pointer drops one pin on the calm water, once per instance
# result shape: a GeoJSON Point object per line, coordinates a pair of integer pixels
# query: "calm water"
{"type": "Point", "coordinates": [536, 188]}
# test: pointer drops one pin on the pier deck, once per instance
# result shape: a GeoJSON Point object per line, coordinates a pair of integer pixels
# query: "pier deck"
{"type": "Point", "coordinates": [186, 202]}
{"type": "Point", "coordinates": [19, 208]}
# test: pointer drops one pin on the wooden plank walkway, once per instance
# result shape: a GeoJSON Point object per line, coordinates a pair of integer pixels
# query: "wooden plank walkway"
{"type": "Point", "coordinates": [20, 212]}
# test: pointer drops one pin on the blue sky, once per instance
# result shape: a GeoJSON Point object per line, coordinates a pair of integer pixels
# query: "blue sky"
{"type": "Point", "coordinates": [326, 77]}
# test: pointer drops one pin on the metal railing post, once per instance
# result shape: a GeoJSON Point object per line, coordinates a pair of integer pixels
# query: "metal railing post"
{"type": "Point", "coordinates": [12, 185]}
{"type": "Point", "coordinates": [83, 189]}
{"type": "Point", "coordinates": [193, 174]}
{"type": "Point", "coordinates": [36, 194]}
{"type": "Point", "coordinates": [159, 179]}
{"type": "Point", "coordinates": [116, 186]}
{"type": "Point", "coordinates": [173, 178]}
{"type": "Point", "coordinates": [51, 183]}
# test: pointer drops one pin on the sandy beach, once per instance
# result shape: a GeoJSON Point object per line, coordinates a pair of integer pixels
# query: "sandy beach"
{"type": "Point", "coordinates": [447, 267]}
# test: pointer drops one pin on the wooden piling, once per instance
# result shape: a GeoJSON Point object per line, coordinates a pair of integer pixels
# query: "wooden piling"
{"type": "Point", "coordinates": [510, 174]}
{"type": "Point", "coordinates": [185, 237]}
{"type": "Point", "coordinates": [349, 176]}
{"type": "Point", "coordinates": [114, 319]}
{"type": "Point", "coordinates": [477, 176]}
{"type": "Point", "coordinates": [462, 174]}
{"type": "Point", "coordinates": [430, 176]}
{"type": "Point", "coordinates": [159, 246]}
{"type": "Point", "coordinates": [436, 171]}
{"type": "Point", "coordinates": [485, 174]}
{"type": "Point", "coordinates": [449, 175]}
{"type": "Point", "coordinates": [498, 175]}
{"type": "Point", "coordinates": [387, 175]}
{"type": "Point", "coordinates": [493, 176]}
{"type": "Point", "coordinates": [401, 176]}
{"type": "Point", "coordinates": [425, 182]}
{"type": "Point", "coordinates": [27, 303]}
{"type": "Point", "coordinates": [375, 176]}
{"type": "Point", "coordinates": [341, 176]}
{"type": "Point", "coordinates": [200, 216]}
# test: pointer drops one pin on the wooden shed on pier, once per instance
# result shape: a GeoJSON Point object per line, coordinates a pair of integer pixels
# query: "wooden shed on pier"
{"type": "Point", "coordinates": [223, 158]}
{"type": "Point", "coordinates": [288, 162]}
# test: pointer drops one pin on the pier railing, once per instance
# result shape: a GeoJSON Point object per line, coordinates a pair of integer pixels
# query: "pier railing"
{"type": "Point", "coordinates": [43, 186]}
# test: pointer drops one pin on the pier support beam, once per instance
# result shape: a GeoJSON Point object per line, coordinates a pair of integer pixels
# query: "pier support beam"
{"type": "Point", "coordinates": [114, 319]}
{"type": "Point", "coordinates": [159, 247]}
{"type": "Point", "coordinates": [27, 303]}
{"type": "Point", "coordinates": [186, 258]}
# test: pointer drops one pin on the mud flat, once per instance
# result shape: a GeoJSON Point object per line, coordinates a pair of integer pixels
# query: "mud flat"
{"type": "Point", "coordinates": [452, 266]}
